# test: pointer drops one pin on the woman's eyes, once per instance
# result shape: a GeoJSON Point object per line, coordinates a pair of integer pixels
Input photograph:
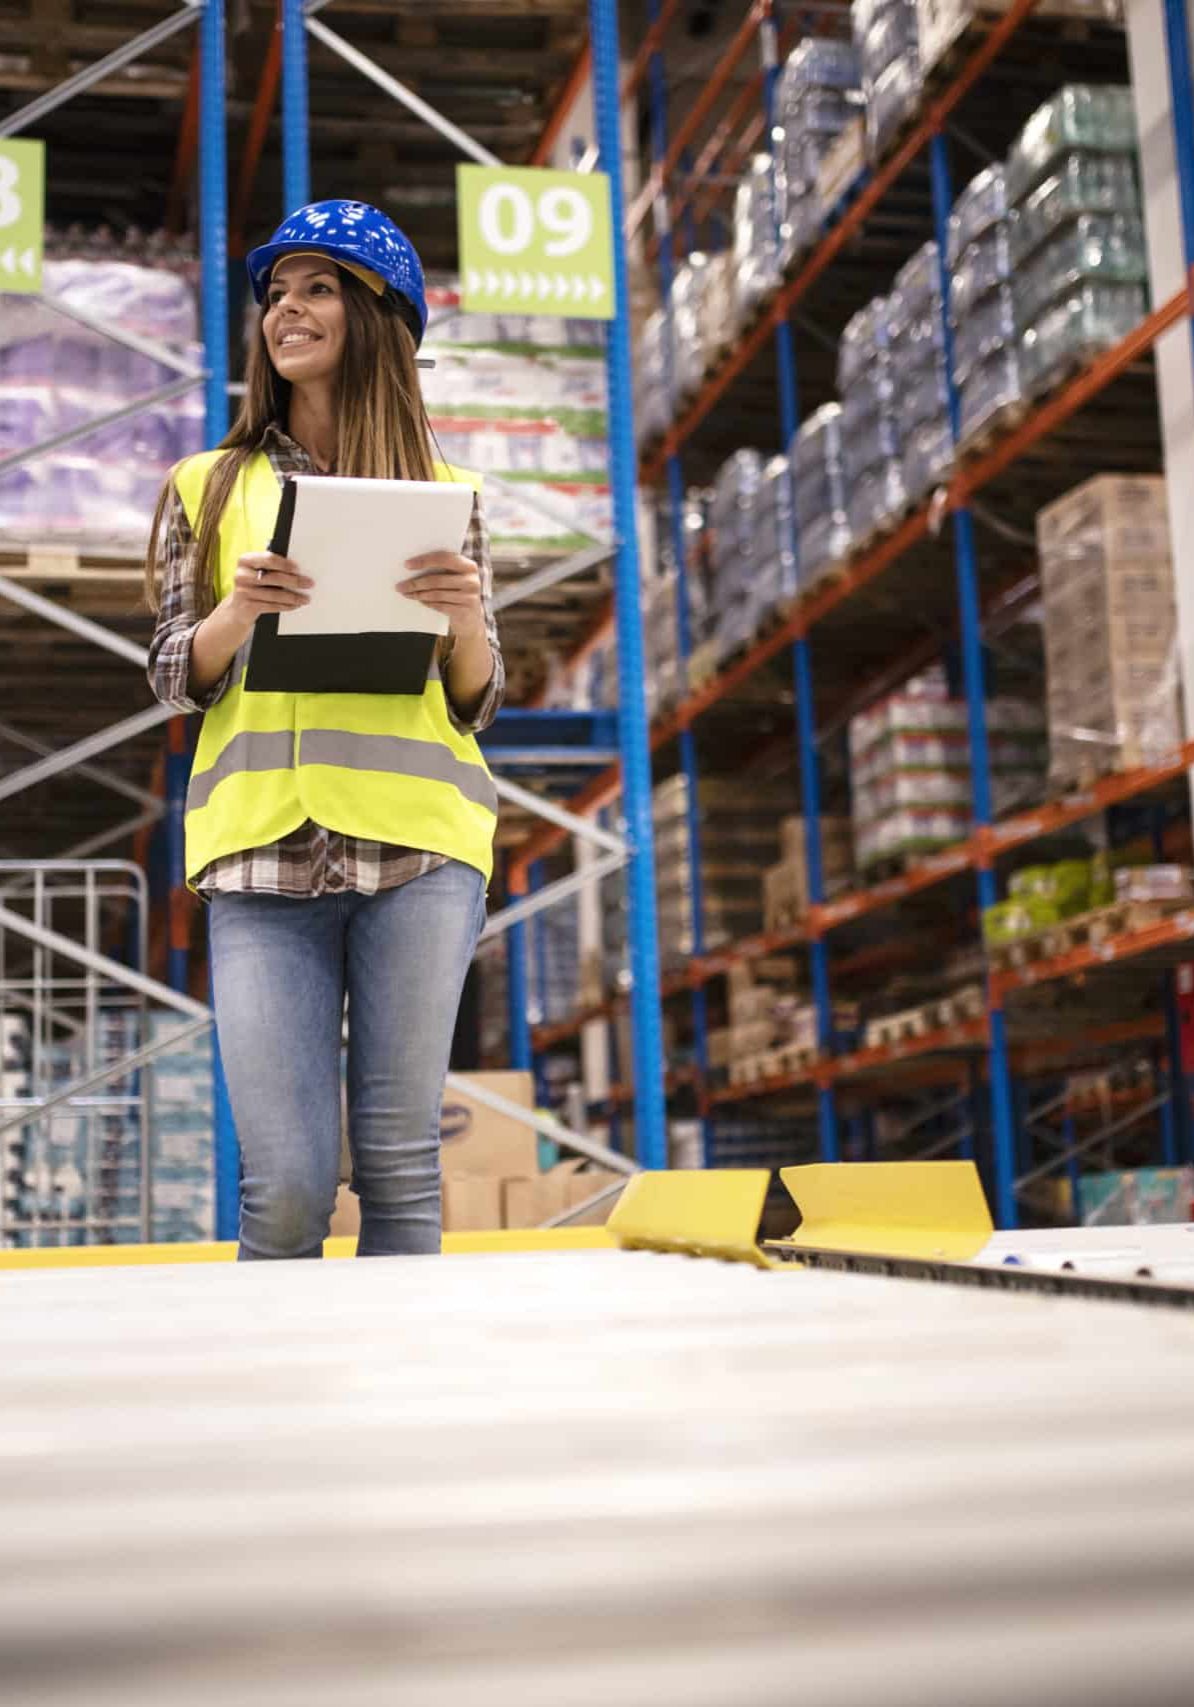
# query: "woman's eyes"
{"type": "Point", "coordinates": [275, 297]}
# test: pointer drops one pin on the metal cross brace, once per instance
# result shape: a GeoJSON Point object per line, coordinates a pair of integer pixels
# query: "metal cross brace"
{"type": "Point", "coordinates": [552, 894]}
{"type": "Point", "coordinates": [1100, 1137]}
{"type": "Point", "coordinates": [94, 773]}
{"type": "Point", "coordinates": [126, 730]}
{"type": "Point", "coordinates": [542, 1122]}
{"type": "Point", "coordinates": [391, 86]}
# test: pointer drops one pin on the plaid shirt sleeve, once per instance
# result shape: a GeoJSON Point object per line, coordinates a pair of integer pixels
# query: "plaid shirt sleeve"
{"type": "Point", "coordinates": [170, 649]}
{"type": "Point", "coordinates": [476, 546]}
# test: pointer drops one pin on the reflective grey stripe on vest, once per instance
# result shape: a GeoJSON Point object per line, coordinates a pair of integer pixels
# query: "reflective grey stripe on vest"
{"type": "Point", "coordinates": [248, 751]}
{"type": "Point", "coordinates": [429, 760]}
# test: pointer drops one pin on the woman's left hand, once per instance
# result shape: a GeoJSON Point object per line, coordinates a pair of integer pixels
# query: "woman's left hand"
{"type": "Point", "coordinates": [451, 584]}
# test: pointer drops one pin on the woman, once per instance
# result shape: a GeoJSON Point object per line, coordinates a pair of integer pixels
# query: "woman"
{"type": "Point", "coordinates": [343, 840]}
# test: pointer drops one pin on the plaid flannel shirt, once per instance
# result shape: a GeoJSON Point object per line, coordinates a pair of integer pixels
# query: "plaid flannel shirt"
{"type": "Point", "coordinates": [311, 860]}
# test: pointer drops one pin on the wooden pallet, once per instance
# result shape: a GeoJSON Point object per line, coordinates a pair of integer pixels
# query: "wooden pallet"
{"type": "Point", "coordinates": [997, 426]}
{"type": "Point", "coordinates": [942, 1014]}
{"type": "Point", "coordinates": [903, 1027]}
{"type": "Point", "coordinates": [827, 575]}
{"type": "Point", "coordinates": [882, 529]}
{"type": "Point", "coordinates": [784, 916]}
{"type": "Point", "coordinates": [781, 1062]}
{"type": "Point", "coordinates": [1086, 930]}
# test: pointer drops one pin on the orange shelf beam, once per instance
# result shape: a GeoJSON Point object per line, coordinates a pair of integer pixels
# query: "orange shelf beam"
{"type": "Point", "coordinates": [697, 113]}
{"type": "Point", "coordinates": [1169, 932]}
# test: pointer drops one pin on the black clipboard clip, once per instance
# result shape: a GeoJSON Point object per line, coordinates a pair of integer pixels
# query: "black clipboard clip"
{"type": "Point", "coordinates": [331, 663]}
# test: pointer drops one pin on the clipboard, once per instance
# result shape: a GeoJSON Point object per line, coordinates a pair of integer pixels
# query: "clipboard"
{"type": "Point", "coordinates": [358, 635]}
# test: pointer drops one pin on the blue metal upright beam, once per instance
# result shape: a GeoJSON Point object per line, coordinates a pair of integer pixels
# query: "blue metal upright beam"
{"type": "Point", "coordinates": [802, 664]}
{"type": "Point", "coordinates": [657, 96]}
{"type": "Point", "coordinates": [213, 257]}
{"type": "Point", "coordinates": [178, 768]}
{"type": "Point", "coordinates": [518, 993]}
{"type": "Point", "coordinates": [1181, 112]}
{"type": "Point", "coordinates": [1003, 1123]}
{"type": "Point", "coordinates": [296, 128]}
{"type": "Point", "coordinates": [650, 1119]}
{"type": "Point", "coordinates": [213, 218]}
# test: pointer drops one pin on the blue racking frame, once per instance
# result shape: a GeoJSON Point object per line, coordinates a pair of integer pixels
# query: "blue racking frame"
{"type": "Point", "coordinates": [1005, 1130]}
{"type": "Point", "coordinates": [633, 732]}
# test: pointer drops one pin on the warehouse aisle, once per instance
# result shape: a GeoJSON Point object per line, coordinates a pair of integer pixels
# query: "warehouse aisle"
{"type": "Point", "coordinates": [560, 1477]}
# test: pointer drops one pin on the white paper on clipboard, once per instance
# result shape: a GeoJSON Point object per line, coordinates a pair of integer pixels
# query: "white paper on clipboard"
{"type": "Point", "coordinates": [353, 538]}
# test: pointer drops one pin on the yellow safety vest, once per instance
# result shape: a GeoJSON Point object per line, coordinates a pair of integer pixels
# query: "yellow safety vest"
{"type": "Point", "coordinates": [384, 767]}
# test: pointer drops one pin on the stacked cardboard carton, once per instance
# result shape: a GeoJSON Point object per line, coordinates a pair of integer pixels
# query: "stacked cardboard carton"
{"type": "Point", "coordinates": [738, 826]}
{"type": "Point", "coordinates": [490, 1165]}
{"type": "Point", "coordinates": [785, 885]}
{"type": "Point", "coordinates": [1107, 581]}
{"type": "Point", "coordinates": [759, 994]}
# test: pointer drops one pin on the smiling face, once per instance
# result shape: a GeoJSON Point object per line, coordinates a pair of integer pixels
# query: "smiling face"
{"type": "Point", "coordinates": [304, 321]}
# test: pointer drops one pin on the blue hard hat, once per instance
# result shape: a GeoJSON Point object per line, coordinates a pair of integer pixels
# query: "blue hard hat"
{"type": "Point", "coordinates": [355, 233]}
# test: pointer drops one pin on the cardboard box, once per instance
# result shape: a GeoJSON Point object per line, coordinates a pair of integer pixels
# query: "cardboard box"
{"type": "Point", "coordinates": [346, 1216]}
{"type": "Point", "coordinates": [836, 839]}
{"type": "Point", "coordinates": [472, 1203]}
{"type": "Point", "coordinates": [475, 1140]}
{"type": "Point", "coordinates": [531, 1201]}
{"type": "Point", "coordinates": [587, 1184]}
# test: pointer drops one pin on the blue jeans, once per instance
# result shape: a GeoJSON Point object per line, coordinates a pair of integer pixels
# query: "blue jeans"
{"type": "Point", "coordinates": [281, 969]}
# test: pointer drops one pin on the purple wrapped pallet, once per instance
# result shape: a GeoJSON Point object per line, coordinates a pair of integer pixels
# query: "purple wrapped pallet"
{"type": "Point", "coordinates": [861, 340]}
{"type": "Point", "coordinates": [984, 266]}
{"type": "Point", "coordinates": [988, 327]}
{"type": "Point", "coordinates": [992, 388]}
{"type": "Point", "coordinates": [892, 99]}
{"type": "Point", "coordinates": [981, 205]}
{"type": "Point", "coordinates": [877, 496]}
{"type": "Point", "coordinates": [818, 441]}
{"type": "Point", "coordinates": [870, 393]}
{"type": "Point", "coordinates": [928, 457]}
{"type": "Point", "coordinates": [922, 395]}
{"type": "Point", "coordinates": [822, 63]}
{"type": "Point", "coordinates": [916, 291]}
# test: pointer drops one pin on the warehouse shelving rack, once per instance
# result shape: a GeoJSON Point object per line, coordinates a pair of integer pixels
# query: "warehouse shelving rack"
{"type": "Point", "coordinates": [524, 737]}
{"type": "Point", "coordinates": [985, 1039]}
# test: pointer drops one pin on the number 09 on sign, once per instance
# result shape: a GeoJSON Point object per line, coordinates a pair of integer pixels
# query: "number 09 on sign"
{"type": "Point", "coordinates": [535, 242]}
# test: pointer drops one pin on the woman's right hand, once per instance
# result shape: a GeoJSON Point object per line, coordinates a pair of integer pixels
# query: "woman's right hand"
{"type": "Point", "coordinates": [265, 583]}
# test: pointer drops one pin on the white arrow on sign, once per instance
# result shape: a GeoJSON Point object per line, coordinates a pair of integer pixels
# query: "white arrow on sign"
{"type": "Point", "coordinates": [492, 284]}
{"type": "Point", "coordinates": [9, 261]}
{"type": "Point", "coordinates": [474, 281]}
{"type": "Point", "coordinates": [580, 289]}
{"type": "Point", "coordinates": [526, 284]}
{"type": "Point", "coordinates": [596, 287]}
{"type": "Point", "coordinates": [28, 263]}
{"type": "Point", "coordinates": [509, 284]}
{"type": "Point", "coordinates": [561, 287]}
{"type": "Point", "coordinates": [544, 286]}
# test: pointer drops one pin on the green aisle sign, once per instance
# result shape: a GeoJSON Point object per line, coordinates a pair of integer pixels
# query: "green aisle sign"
{"type": "Point", "coordinates": [535, 242]}
{"type": "Point", "coordinates": [22, 213]}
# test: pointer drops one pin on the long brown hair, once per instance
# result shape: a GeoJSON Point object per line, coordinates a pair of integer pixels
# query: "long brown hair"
{"type": "Point", "coordinates": [382, 428]}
